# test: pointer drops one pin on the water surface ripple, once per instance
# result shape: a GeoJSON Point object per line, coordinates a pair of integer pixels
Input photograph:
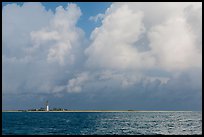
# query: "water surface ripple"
{"type": "Point", "coordinates": [94, 123]}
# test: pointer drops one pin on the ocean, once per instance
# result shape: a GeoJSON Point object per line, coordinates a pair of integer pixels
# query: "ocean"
{"type": "Point", "coordinates": [102, 123]}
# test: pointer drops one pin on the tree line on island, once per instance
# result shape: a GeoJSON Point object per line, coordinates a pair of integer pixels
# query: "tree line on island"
{"type": "Point", "coordinates": [43, 109]}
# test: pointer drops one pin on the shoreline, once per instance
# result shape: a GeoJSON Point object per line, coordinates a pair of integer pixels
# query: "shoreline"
{"type": "Point", "coordinates": [98, 111]}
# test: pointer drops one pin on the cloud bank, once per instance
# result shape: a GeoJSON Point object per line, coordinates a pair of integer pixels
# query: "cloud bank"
{"type": "Point", "coordinates": [142, 56]}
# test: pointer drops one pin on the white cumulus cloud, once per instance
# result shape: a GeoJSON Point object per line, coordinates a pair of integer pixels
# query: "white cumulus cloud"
{"type": "Point", "coordinates": [97, 17]}
{"type": "Point", "coordinates": [39, 47]}
{"type": "Point", "coordinates": [61, 36]}
{"type": "Point", "coordinates": [112, 44]}
{"type": "Point", "coordinates": [173, 44]}
{"type": "Point", "coordinates": [173, 40]}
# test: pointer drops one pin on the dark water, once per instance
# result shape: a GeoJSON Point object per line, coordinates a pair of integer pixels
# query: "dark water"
{"type": "Point", "coordinates": [84, 123]}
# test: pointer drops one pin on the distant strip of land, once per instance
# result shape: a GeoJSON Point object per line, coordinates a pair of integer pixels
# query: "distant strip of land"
{"type": "Point", "coordinates": [94, 111]}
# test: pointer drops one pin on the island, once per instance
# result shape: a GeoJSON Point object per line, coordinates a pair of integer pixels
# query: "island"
{"type": "Point", "coordinates": [46, 109]}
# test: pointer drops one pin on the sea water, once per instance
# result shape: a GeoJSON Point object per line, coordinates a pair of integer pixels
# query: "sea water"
{"type": "Point", "coordinates": [101, 123]}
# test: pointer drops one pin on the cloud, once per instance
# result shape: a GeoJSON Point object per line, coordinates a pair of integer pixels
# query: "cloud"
{"type": "Point", "coordinates": [173, 44]}
{"type": "Point", "coordinates": [61, 36]}
{"type": "Point", "coordinates": [75, 84]}
{"type": "Point", "coordinates": [17, 23]}
{"type": "Point", "coordinates": [193, 15]}
{"type": "Point", "coordinates": [139, 39]}
{"type": "Point", "coordinates": [115, 44]}
{"type": "Point", "coordinates": [97, 17]}
{"type": "Point", "coordinates": [43, 48]}
{"type": "Point", "coordinates": [142, 56]}
{"type": "Point", "coordinates": [112, 45]}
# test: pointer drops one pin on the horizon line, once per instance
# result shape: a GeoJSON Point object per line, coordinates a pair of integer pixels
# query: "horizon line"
{"type": "Point", "coordinates": [105, 111]}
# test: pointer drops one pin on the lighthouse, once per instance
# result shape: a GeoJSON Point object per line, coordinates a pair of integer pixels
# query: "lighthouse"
{"type": "Point", "coordinates": [47, 107]}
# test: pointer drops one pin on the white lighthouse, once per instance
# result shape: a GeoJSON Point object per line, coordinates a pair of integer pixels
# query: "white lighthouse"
{"type": "Point", "coordinates": [47, 107]}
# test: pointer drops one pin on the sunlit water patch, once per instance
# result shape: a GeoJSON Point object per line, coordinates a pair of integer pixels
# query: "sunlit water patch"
{"type": "Point", "coordinates": [93, 123]}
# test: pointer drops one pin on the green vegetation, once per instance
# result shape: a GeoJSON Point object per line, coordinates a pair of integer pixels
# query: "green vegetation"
{"type": "Point", "coordinates": [43, 109]}
{"type": "Point", "coordinates": [58, 109]}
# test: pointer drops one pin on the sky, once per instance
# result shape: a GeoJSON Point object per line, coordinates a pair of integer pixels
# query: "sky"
{"type": "Point", "coordinates": [102, 55]}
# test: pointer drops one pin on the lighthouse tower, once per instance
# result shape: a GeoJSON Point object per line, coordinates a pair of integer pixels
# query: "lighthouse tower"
{"type": "Point", "coordinates": [47, 107]}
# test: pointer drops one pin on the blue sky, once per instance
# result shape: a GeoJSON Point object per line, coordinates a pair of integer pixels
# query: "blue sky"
{"type": "Point", "coordinates": [102, 55]}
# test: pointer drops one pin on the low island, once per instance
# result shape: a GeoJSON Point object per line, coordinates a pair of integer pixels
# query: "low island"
{"type": "Point", "coordinates": [46, 109]}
